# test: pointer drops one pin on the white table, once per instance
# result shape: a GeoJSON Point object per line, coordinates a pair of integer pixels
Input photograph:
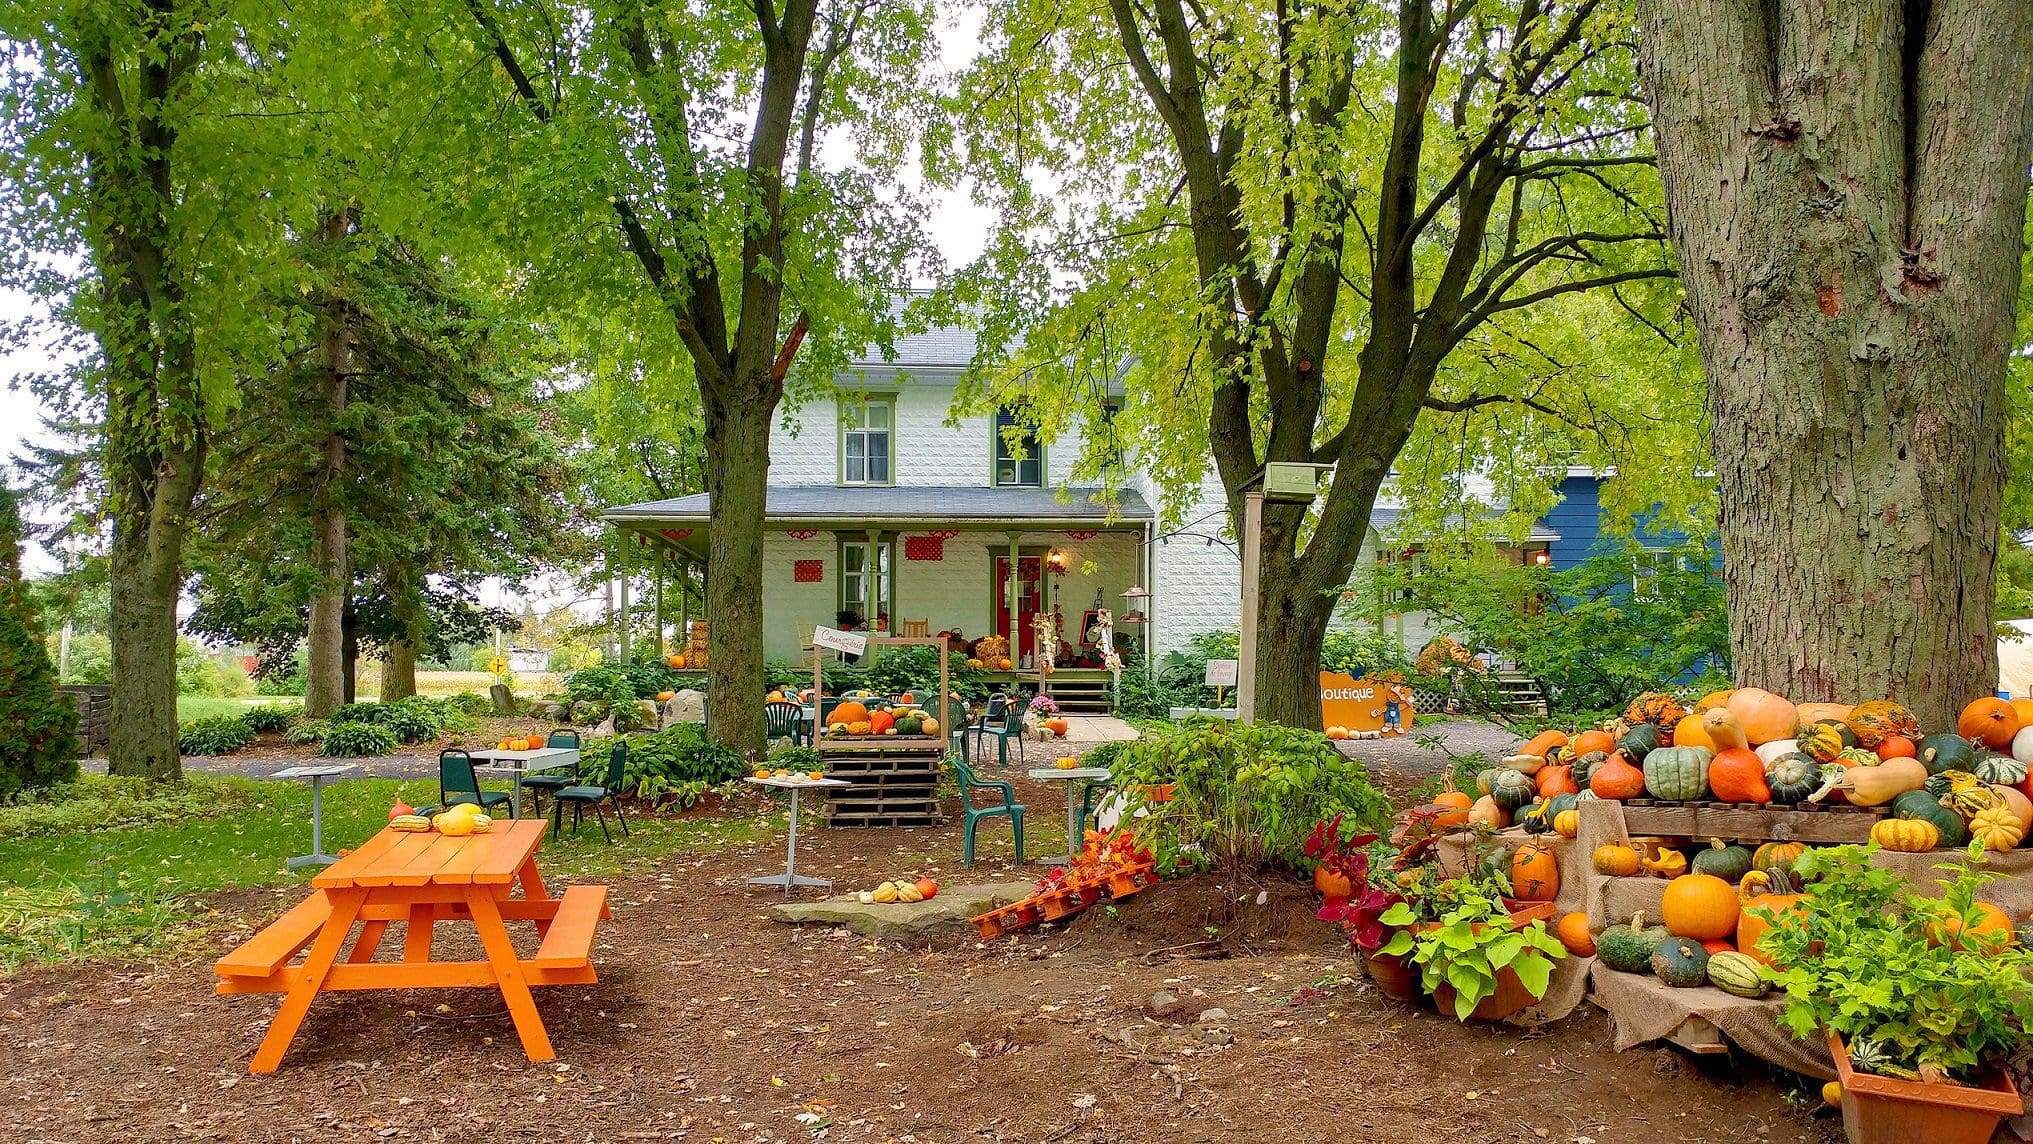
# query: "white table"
{"type": "Point", "coordinates": [790, 879]}
{"type": "Point", "coordinates": [516, 764]}
{"type": "Point", "coordinates": [317, 773]}
{"type": "Point", "coordinates": [1070, 777]}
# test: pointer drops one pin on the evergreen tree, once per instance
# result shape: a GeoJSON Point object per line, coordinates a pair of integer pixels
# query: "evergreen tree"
{"type": "Point", "coordinates": [38, 727]}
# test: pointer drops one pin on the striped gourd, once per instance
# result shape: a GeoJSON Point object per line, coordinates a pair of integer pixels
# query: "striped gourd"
{"type": "Point", "coordinates": [1737, 973]}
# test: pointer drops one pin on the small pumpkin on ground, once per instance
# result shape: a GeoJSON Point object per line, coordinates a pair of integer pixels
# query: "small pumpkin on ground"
{"type": "Point", "coordinates": [1680, 962]}
{"type": "Point", "coordinates": [1627, 946]}
{"type": "Point", "coordinates": [1725, 860]}
{"type": "Point", "coordinates": [1699, 906]}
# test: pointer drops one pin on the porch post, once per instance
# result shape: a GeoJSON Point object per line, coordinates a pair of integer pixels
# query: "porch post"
{"type": "Point", "coordinates": [607, 592]}
{"type": "Point", "coordinates": [871, 594]}
{"type": "Point", "coordinates": [684, 600]}
{"type": "Point", "coordinates": [627, 565]}
{"type": "Point", "coordinates": [1015, 617]}
{"type": "Point", "coordinates": [662, 557]}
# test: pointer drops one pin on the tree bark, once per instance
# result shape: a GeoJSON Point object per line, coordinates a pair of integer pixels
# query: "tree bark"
{"type": "Point", "coordinates": [738, 479]}
{"type": "Point", "coordinates": [327, 681]}
{"type": "Point", "coordinates": [1849, 195]}
{"type": "Point", "coordinates": [349, 652]}
{"type": "Point", "coordinates": [398, 671]}
{"type": "Point", "coordinates": [146, 574]}
{"type": "Point", "coordinates": [398, 657]}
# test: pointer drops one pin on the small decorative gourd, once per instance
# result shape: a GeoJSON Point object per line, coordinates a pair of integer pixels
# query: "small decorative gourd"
{"type": "Point", "coordinates": [1725, 860]}
{"type": "Point", "coordinates": [1656, 708]}
{"type": "Point", "coordinates": [1584, 766]}
{"type": "Point", "coordinates": [1512, 789]}
{"type": "Point", "coordinates": [2003, 769]}
{"type": "Point", "coordinates": [1737, 973]}
{"type": "Point", "coordinates": [1906, 835]}
{"type": "Point", "coordinates": [1792, 778]}
{"type": "Point", "coordinates": [1777, 855]}
{"type": "Point", "coordinates": [1872, 721]}
{"type": "Point", "coordinates": [1996, 829]}
{"type": "Point", "coordinates": [1680, 962]}
{"type": "Point", "coordinates": [1666, 864]}
{"type": "Point", "coordinates": [1947, 752]}
{"type": "Point", "coordinates": [1617, 859]}
{"type": "Point", "coordinates": [1627, 946]}
{"type": "Point", "coordinates": [1567, 824]}
{"type": "Point", "coordinates": [1641, 740]}
{"type": "Point", "coordinates": [1823, 741]}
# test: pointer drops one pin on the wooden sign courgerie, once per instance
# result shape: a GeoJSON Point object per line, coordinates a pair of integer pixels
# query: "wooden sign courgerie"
{"type": "Point", "coordinates": [1365, 708]}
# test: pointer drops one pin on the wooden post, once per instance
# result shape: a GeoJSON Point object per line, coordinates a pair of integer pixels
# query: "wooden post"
{"type": "Point", "coordinates": [1246, 651]}
{"type": "Point", "coordinates": [1010, 590]}
{"type": "Point", "coordinates": [607, 591]}
{"type": "Point", "coordinates": [627, 654]}
{"type": "Point", "coordinates": [662, 557]}
{"type": "Point", "coordinates": [871, 592]}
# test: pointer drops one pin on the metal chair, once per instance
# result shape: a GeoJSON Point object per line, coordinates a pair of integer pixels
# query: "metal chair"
{"type": "Point", "coordinates": [595, 796]}
{"type": "Point", "coordinates": [1010, 808]}
{"type": "Point", "coordinates": [553, 781]}
{"type": "Point", "coordinates": [1091, 797]}
{"type": "Point", "coordinates": [457, 783]}
{"type": "Point", "coordinates": [784, 721]}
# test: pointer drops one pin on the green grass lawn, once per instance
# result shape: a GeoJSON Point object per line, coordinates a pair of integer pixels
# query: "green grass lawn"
{"type": "Point", "coordinates": [112, 872]}
{"type": "Point", "coordinates": [189, 707]}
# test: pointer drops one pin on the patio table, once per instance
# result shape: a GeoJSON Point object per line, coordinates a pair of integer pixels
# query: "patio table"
{"type": "Point", "coordinates": [420, 879]}
{"type": "Point", "coordinates": [790, 879]}
{"type": "Point", "coordinates": [317, 773]}
{"type": "Point", "coordinates": [519, 763]}
{"type": "Point", "coordinates": [1070, 777]}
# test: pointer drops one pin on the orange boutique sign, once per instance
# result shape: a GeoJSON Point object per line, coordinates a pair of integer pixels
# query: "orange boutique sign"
{"type": "Point", "coordinates": [1366, 708]}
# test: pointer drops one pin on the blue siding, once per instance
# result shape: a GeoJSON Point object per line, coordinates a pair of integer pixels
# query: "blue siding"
{"type": "Point", "coordinates": [1578, 520]}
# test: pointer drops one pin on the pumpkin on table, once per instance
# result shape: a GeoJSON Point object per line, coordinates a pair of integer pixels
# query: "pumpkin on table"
{"type": "Point", "coordinates": [1535, 875]}
{"type": "Point", "coordinates": [1781, 898]}
{"type": "Point", "coordinates": [1880, 783]}
{"type": "Point", "coordinates": [1699, 906]}
{"type": "Point", "coordinates": [1725, 860]}
{"type": "Point", "coordinates": [1792, 778]}
{"type": "Point", "coordinates": [1593, 740]}
{"type": "Point", "coordinates": [1617, 779]}
{"type": "Point", "coordinates": [1733, 971]}
{"type": "Point", "coordinates": [1777, 855]}
{"type": "Point", "coordinates": [1627, 946]}
{"type": "Point", "coordinates": [1678, 774]}
{"type": "Point", "coordinates": [1990, 721]}
{"type": "Point", "coordinates": [1641, 740]}
{"type": "Point", "coordinates": [1567, 823]}
{"type": "Point", "coordinates": [1454, 807]}
{"type": "Point", "coordinates": [1554, 780]}
{"type": "Point", "coordinates": [1764, 717]}
{"type": "Point", "coordinates": [1618, 859]}
{"type": "Point", "coordinates": [1680, 962]}
{"type": "Point", "coordinates": [1906, 835]}
{"type": "Point", "coordinates": [1873, 721]}
{"type": "Point", "coordinates": [1995, 828]}
{"type": "Point", "coordinates": [1488, 812]}
{"type": "Point", "coordinates": [1989, 932]}
{"type": "Point", "coordinates": [1822, 741]}
{"type": "Point", "coordinates": [1583, 768]}
{"type": "Point", "coordinates": [1512, 789]}
{"type": "Point", "coordinates": [1738, 775]}
{"type": "Point", "coordinates": [1572, 930]}
{"type": "Point", "coordinates": [1666, 863]}
{"type": "Point", "coordinates": [1655, 707]}
{"type": "Point", "coordinates": [1920, 806]}
{"type": "Point", "coordinates": [1693, 730]}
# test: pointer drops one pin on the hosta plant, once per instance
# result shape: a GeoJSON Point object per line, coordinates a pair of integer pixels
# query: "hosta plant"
{"type": "Point", "coordinates": [1865, 960]}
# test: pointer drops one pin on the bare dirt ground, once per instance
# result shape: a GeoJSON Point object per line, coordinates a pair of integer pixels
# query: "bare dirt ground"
{"type": "Point", "coordinates": [712, 1023]}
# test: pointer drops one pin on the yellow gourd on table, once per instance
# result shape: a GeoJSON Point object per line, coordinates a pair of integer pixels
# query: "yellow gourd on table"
{"type": "Point", "coordinates": [1668, 864]}
{"type": "Point", "coordinates": [1996, 828]}
{"type": "Point", "coordinates": [1908, 836]}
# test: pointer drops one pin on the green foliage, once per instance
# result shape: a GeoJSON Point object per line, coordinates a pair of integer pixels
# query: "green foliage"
{"type": "Point", "coordinates": [671, 765]}
{"type": "Point", "coordinates": [411, 720]}
{"type": "Point", "coordinates": [1584, 631]}
{"type": "Point", "coordinates": [270, 718]}
{"type": "Point", "coordinates": [307, 731]}
{"type": "Point", "coordinates": [101, 802]}
{"type": "Point", "coordinates": [197, 670]}
{"type": "Point", "coordinates": [916, 669]}
{"type": "Point", "coordinates": [468, 704]}
{"type": "Point", "coordinates": [787, 757]}
{"type": "Point", "coordinates": [216, 735]}
{"type": "Point", "coordinates": [1862, 961]}
{"type": "Point", "coordinates": [91, 657]}
{"type": "Point", "coordinates": [38, 726]}
{"type": "Point", "coordinates": [357, 740]}
{"type": "Point", "coordinates": [1472, 945]}
{"type": "Point", "coordinates": [621, 682]}
{"type": "Point", "coordinates": [1248, 795]}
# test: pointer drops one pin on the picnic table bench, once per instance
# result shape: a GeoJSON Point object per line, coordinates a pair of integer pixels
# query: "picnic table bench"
{"type": "Point", "coordinates": [421, 879]}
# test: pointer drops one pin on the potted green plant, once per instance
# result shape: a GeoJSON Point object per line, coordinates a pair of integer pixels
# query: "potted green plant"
{"type": "Point", "coordinates": [1478, 958]}
{"type": "Point", "coordinates": [1920, 999]}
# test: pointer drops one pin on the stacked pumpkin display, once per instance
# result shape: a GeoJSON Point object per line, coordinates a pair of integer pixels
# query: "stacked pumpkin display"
{"type": "Point", "coordinates": [869, 715]}
{"type": "Point", "coordinates": [1710, 919]}
{"type": "Point", "coordinates": [1752, 746]}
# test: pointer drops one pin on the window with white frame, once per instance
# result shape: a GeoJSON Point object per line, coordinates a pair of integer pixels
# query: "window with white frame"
{"type": "Point", "coordinates": [1019, 454]}
{"type": "Point", "coordinates": [1399, 570]}
{"type": "Point", "coordinates": [1648, 563]}
{"type": "Point", "coordinates": [867, 441]}
{"type": "Point", "coordinates": [854, 578]}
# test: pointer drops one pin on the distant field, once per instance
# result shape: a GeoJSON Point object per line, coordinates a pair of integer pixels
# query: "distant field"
{"type": "Point", "coordinates": [190, 707]}
{"type": "Point", "coordinates": [433, 683]}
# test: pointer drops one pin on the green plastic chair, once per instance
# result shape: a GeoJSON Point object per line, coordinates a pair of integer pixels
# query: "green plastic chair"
{"type": "Point", "coordinates": [457, 783]}
{"type": "Point", "coordinates": [549, 782]}
{"type": "Point", "coordinates": [595, 796]}
{"type": "Point", "coordinates": [784, 721]}
{"type": "Point", "coordinates": [1010, 808]}
{"type": "Point", "coordinates": [1004, 721]}
{"type": "Point", "coordinates": [1091, 797]}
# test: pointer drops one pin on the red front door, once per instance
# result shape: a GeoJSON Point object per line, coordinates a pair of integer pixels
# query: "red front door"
{"type": "Point", "coordinates": [1030, 601]}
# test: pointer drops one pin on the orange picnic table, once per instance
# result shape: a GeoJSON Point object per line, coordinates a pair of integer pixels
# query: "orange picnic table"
{"type": "Point", "coordinates": [421, 879]}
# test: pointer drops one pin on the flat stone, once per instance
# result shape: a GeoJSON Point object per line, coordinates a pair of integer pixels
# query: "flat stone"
{"type": "Point", "coordinates": [1164, 1003]}
{"type": "Point", "coordinates": [948, 912]}
{"type": "Point", "coordinates": [1213, 1016]}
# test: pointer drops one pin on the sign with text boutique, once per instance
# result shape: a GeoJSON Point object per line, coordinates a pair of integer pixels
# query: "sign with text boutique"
{"type": "Point", "coordinates": [1365, 708]}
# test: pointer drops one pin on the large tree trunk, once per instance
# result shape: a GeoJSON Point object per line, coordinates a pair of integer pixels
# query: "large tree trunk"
{"type": "Point", "coordinates": [398, 659]}
{"type": "Point", "coordinates": [327, 681]}
{"type": "Point", "coordinates": [398, 671]}
{"type": "Point", "coordinates": [737, 477]}
{"type": "Point", "coordinates": [1847, 196]}
{"type": "Point", "coordinates": [1292, 625]}
{"type": "Point", "coordinates": [145, 570]}
{"type": "Point", "coordinates": [349, 652]}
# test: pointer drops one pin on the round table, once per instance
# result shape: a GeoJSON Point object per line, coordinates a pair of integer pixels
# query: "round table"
{"type": "Point", "coordinates": [1069, 777]}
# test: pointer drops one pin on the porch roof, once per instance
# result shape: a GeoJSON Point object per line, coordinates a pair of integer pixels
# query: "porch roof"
{"type": "Point", "coordinates": [950, 504]}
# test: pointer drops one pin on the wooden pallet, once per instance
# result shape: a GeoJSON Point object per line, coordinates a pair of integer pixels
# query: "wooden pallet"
{"type": "Point", "coordinates": [1064, 902]}
{"type": "Point", "coordinates": [895, 780]}
{"type": "Point", "coordinates": [1752, 821]}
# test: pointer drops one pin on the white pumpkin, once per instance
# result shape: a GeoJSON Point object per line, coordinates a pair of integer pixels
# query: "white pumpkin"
{"type": "Point", "coordinates": [1775, 750]}
{"type": "Point", "coordinates": [2022, 745]}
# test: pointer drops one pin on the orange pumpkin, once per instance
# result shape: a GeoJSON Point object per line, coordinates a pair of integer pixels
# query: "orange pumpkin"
{"type": "Point", "coordinates": [1766, 717]}
{"type": "Point", "coordinates": [1004, 663]}
{"type": "Point", "coordinates": [2025, 709]}
{"type": "Point", "coordinates": [1717, 945]}
{"type": "Point", "coordinates": [1824, 712]}
{"type": "Point", "coordinates": [1572, 930]}
{"type": "Point", "coordinates": [880, 721]}
{"type": "Point", "coordinates": [1713, 699]}
{"type": "Point", "coordinates": [667, 696]}
{"type": "Point", "coordinates": [1556, 780]}
{"type": "Point", "coordinates": [677, 662]}
{"type": "Point", "coordinates": [1989, 720]}
{"type": "Point", "coordinates": [1543, 742]}
{"type": "Point", "coordinates": [1700, 906]}
{"type": "Point", "coordinates": [1535, 876]}
{"type": "Point", "coordinates": [1690, 732]}
{"type": "Point", "coordinates": [1589, 741]}
{"type": "Point", "coordinates": [1991, 933]}
{"type": "Point", "coordinates": [1896, 747]}
{"type": "Point", "coordinates": [1616, 778]}
{"type": "Point", "coordinates": [1456, 804]}
{"type": "Point", "coordinates": [929, 888]}
{"type": "Point", "coordinates": [1751, 927]}
{"type": "Point", "coordinates": [1736, 774]}
{"type": "Point", "coordinates": [851, 711]}
{"type": "Point", "coordinates": [907, 699]}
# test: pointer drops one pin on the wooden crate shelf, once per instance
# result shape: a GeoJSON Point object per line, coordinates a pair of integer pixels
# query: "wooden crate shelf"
{"type": "Point", "coordinates": [895, 780]}
{"type": "Point", "coordinates": [1751, 822]}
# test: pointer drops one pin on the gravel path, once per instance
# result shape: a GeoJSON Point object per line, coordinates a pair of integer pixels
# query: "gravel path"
{"type": "Point", "coordinates": [1458, 737]}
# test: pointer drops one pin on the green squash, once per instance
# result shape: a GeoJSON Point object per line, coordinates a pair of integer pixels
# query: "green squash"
{"type": "Point", "coordinates": [1485, 779]}
{"type": "Point", "coordinates": [1725, 860]}
{"type": "Point", "coordinates": [1823, 740]}
{"type": "Point", "coordinates": [1941, 784]}
{"type": "Point", "coordinates": [1918, 804]}
{"type": "Point", "coordinates": [1627, 946]}
{"type": "Point", "coordinates": [2001, 769]}
{"type": "Point", "coordinates": [1558, 803]}
{"type": "Point", "coordinates": [1585, 765]}
{"type": "Point", "coordinates": [1792, 778]}
{"type": "Point", "coordinates": [1679, 962]}
{"type": "Point", "coordinates": [1641, 740]}
{"type": "Point", "coordinates": [1737, 973]}
{"type": "Point", "coordinates": [910, 725]}
{"type": "Point", "coordinates": [1512, 789]}
{"type": "Point", "coordinates": [1947, 752]}
{"type": "Point", "coordinates": [1678, 774]}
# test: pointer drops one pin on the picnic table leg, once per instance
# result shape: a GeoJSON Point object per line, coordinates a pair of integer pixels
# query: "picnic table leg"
{"type": "Point", "coordinates": [529, 1024]}
{"type": "Point", "coordinates": [317, 964]}
{"type": "Point", "coordinates": [416, 934]}
{"type": "Point", "coordinates": [370, 940]}
{"type": "Point", "coordinates": [533, 891]}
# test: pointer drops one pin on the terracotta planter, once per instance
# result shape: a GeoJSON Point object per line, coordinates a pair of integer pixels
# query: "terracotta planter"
{"type": "Point", "coordinates": [1393, 975]}
{"type": "Point", "coordinates": [1335, 887]}
{"type": "Point", "coordinates": [1511, 997]}
{"type": "Point", "coordinates": [1884, 1110]}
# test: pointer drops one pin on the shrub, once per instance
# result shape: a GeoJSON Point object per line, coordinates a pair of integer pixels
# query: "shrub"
{"type": "Point", "coordinates": [270, 718]}
{"type": "Point", "coordinates": [38, 726]}
{"type": "Point", "coordinates": [358, 740]}
{"type": "Point", "coordinates": [620, 682]}
{"type": "Point", "coordinates": [789, 758]}
{"type": "Point", "coordinates": [675, 763]}
{"type": "Point", "coordinates": [217, 735]}
{"type": "Point", "coordinates": [1247, 795]}
{"type": "Point", "coordinates": [916, 669]}
{"type": "Point", "coordinates": [411, 720]}
{"type": "Point", "coordinates": [307, 731]}
{"type": "Point", "coordinates": [197, 670]}
{"type": "Point", "coordinates": [469, 703]}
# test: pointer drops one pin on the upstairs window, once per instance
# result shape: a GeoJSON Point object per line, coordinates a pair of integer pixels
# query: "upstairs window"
{"type": "Point", "coordinates": [867, 441]}
{"type": "Point", "coordinates": [1648, 564]}
{"type": "Point", "coordinates": [1019, 455]}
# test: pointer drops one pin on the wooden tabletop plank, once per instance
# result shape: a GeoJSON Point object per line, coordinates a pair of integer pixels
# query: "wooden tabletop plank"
{"type": "Point", "coordinates": [422, 868]}
{"type": "Point", "coordinates": [458, 869]}
{"type": "Point", "coordinates": [407, 846]}
{"type": "Point", "coordinates": [506, 851]}
{"type": "Point", "coordinates": [364, 857]}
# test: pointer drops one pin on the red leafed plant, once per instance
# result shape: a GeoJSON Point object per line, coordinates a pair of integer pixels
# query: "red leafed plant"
{"type": "Point", "coordinates": [1103, 854]}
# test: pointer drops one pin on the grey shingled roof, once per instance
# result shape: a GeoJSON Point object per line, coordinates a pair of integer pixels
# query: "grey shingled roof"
{"type": "Point", "coordinates": [904, 502]}
{"type": "Point", "coordinates": [1384, 520]}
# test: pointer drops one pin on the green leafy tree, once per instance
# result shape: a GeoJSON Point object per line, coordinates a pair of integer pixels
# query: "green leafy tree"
{"type": "Point", "coordinates": [1854, 191]}
{"type": "Point", "coordinates": [38, 727]}
{"type": "Point", "coordinates": [1312, 225]}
